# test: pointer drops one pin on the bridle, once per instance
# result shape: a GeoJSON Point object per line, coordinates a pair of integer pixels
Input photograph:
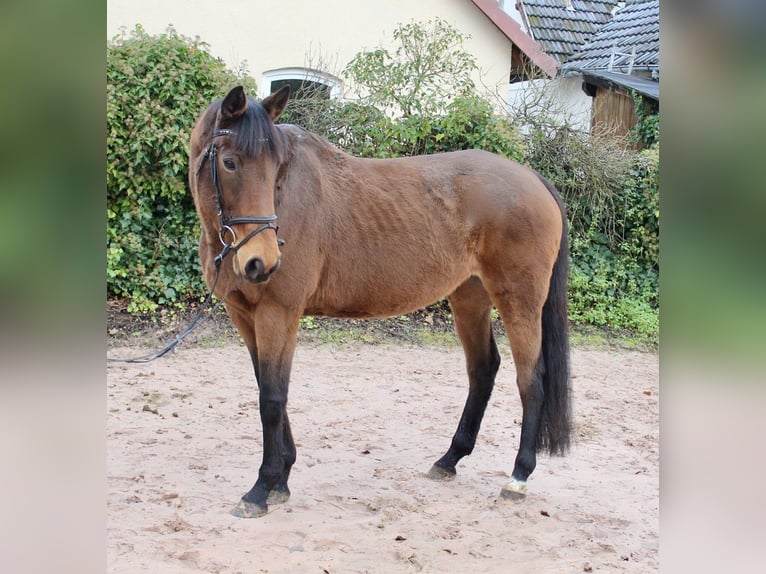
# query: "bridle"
{"type": "Point", "coordinates": [227, 222]}
{"type": "Point", "coordinates": [264, 222]}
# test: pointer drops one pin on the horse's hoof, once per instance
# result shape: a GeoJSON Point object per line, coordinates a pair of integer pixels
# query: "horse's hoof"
{"type": "Point", "coordinates": [441, 473]}
{"type": "Point", "coordinates": [249, 510]}
{"type": "Point", "coordinates": [278, 497]}
{"type": "Point", "coordinates": [515, 491]}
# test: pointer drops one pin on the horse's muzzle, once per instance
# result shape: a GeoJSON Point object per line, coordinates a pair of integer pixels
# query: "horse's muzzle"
{"type": "Point", "coordinates": [256, 271]}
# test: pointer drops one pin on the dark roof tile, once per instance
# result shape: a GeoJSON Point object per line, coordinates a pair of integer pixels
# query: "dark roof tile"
{"type": "Point", "coordinates": [560, 31]}
{"type": "Point", "coordinates": [636, 26]}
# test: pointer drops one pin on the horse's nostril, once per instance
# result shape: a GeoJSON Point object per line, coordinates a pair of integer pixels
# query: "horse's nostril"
{"type": "Point", "coordinates": [254, 268]}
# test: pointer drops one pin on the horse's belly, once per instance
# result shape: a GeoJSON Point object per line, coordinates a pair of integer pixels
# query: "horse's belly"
{"type": "Point", "coordinates": [361, 297]}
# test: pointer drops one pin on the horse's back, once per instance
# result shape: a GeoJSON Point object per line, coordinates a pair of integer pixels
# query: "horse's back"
{"type": "Point", "coordinates": [494, 198]}
{"type": "Point", "coordinates": [391, 236]}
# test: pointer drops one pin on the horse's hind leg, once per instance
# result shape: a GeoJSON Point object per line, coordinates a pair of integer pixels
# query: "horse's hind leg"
{"type": "Point", "coordinates": [471, 308]}
{"type": "Point", "coordinates": [521, 310]}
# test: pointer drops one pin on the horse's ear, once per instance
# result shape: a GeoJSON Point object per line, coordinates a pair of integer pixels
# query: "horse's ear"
{"type": "Point", "coordinates": [276, 102]}
{"type": "Point", "coordinates": [234, 104]}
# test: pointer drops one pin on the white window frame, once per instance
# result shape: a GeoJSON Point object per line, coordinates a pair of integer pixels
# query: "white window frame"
{"type": "Point", "coordinates": [334, 83]}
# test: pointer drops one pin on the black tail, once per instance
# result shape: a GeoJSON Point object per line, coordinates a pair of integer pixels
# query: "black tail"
{"type": "Point", "coordinates": [555, 427]}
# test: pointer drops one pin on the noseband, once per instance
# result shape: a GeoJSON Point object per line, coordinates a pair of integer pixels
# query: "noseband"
{"type": "Point", "coordinates": [264, 222]}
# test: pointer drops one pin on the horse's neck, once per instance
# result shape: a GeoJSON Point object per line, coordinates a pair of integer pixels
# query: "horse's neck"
{"type": "Point", "coordinates": [308, 156]}
{"type": "Point", "coordinates": [300, 141]}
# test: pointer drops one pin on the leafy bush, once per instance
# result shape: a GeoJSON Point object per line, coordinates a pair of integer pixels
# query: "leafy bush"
{"type": "Point", "coordinates": [420, 99]}
{"type": "Point", "coordinates": [586, 170]}
{"type": "Point", "coordinates": [156, 87]}
{"type": "Point", "coordinates": [428, 69]}
{"type": "Point", "coordinates": [471, 122]}
{"type": "Point", "coordinates": [612, 198]}
{"type": "Point", "coordinates": [646, 132]}
{"type": "Point", "coordinates": [613, 208]}
{"type": "Point", "coordinates": [468, 122]}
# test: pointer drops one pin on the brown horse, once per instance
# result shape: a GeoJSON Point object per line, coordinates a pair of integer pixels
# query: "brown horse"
{"type": "Point", "coordinates": [374, 238]}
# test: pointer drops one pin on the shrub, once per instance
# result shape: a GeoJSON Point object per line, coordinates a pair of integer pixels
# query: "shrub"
{"type": "Point", "coordinates": [612, 198]}
{"type": "Point", "coordinates": [418, 99]}
{"type": "Point", "coordinates": [428, 69]}
{"type": "Point", "coordinates": [467, 122]}
{"type": "Point", "coordinates": [156, 87]}
{"type": "Point", "coordinates": [614, 277]}
{"type": "Point", "coordinates": [646, 132]}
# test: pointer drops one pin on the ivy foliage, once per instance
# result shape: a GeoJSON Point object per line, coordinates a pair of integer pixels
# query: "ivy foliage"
{"type": "Point", "coordinates": [156, 88]}
{"type": "Point", "coordinates": [614, 278]}
{"type": "Point", "coordinates": [646, 132]}
{"type": "Point", "coordinates": [612, 198]}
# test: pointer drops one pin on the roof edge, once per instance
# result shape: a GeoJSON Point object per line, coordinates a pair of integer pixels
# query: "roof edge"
{"type": "Point", "coordinates": [512, 30]}
{"type": "Point", "coordinates": [645, 86]}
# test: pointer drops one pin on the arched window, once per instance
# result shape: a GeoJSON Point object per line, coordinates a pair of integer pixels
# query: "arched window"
{"type": "Point", "coordinates": [303, 83]}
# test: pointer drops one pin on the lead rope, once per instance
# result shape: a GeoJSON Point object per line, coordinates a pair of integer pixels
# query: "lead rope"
{"type": "Point", "coordinates": [172, 344]}
{"type": "Point", "coordinates": [267, 222]}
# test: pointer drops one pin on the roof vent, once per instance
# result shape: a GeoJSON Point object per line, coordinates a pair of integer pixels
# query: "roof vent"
{"type": "Point", "coordinates": [617, 7]}
{"type": "Point", "coordinates": [569, 5]}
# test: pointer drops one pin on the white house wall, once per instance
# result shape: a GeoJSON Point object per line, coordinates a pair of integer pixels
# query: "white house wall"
{"type": "Point", "coordinates": [270, 36]}
{"type": "Point", "coordinates": [565, 97]}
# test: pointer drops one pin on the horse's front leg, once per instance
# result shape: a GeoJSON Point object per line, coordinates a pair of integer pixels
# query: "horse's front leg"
{"type": "Point", "coordinates": [276, 333]}
{"type": "Point", "coordinates": [280, 492]}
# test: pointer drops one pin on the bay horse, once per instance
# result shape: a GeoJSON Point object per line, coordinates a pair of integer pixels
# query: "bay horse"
{"type": "Point", "coordinates": [361, 238]}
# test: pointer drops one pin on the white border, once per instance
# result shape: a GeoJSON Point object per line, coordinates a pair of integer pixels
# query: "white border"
{"type": "Point", "coordinates": [334, 83]}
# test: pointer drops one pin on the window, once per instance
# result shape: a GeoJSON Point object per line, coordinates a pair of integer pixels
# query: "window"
{"type": "Point", "coordinates": [304, 83]}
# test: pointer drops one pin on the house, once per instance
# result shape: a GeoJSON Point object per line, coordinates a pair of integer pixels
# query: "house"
{"type": "Point", "coordinates": [560, 28]}
{"type": "Point", "coordinates": [603, 49]}
{"type": "Point", "coordinates": [513, 42]}
{"type": "Point", "coordinates": [526, 53]}
{"type": "Point", "coordinates": [622, 57]}
{"type": "Point", "coordinates": [298, 41]}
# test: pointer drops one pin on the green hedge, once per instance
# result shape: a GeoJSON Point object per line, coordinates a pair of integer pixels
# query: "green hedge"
{"type": "Point", "coordinates": [614, 277]}
{"type": "Point", "coordinates": [156, 87]}
{"type": "Point", "coordinates": [612, 198]}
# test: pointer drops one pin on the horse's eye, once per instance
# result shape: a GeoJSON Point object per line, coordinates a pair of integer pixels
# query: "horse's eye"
{"type": "Point", "coordinates": [229, 164]}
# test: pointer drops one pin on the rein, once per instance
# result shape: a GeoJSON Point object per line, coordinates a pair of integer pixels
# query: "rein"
{"type": "Point", "coordinates": [226, 229]}
{"type": "Point", "coordinates": [185, 333]}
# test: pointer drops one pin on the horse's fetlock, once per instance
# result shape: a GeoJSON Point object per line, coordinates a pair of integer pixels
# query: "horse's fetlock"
{"type": "Point", "coordinates": [269, 475]}
{"type": "Point", "coordinates": [524, 466]}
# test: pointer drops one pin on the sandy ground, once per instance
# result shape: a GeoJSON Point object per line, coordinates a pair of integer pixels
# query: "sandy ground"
{"type": "Point", "coordinates": [184, 443]}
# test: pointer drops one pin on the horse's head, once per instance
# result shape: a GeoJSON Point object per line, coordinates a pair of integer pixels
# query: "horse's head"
{"type": "Point", "coordinates": [245, 152]}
